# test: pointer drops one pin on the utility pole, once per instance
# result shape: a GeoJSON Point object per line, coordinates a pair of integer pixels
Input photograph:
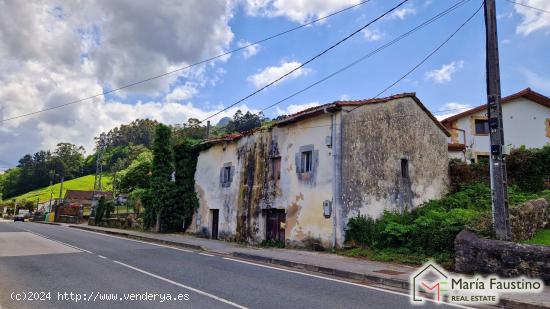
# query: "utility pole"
{"type": "Point", "coordinates": [207, 130]}
{"type": "Point", "coordinates": [499, 191]}
{"type": "Point", "coordinates": [96, 194]}
{"type": "Point", "coordinates": [60, 199]}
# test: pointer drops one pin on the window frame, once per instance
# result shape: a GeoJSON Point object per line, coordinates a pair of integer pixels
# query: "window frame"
{"type": "Point", "coordinates": [306, 161]}
{"type": "Point", "coordinates": [226, 174]}
{"type": "Point", "coordinates": [485, 127]}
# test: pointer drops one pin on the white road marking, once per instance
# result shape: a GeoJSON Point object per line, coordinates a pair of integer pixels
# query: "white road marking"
{"type": "Point", "coordinates": [223, 300]}
{"type": "Point", "coordinates": [335, 280]}
{"type": "Point", "coordinates": [140, 241]}
{"type": "Point", "coordinates": [101, 256]}
{"type": "Point", "coordinates": [260, 265]}
{"type": "Point", "coordinates": [206, 254]}
{"type": "Point", "coordinates": [63, 243]}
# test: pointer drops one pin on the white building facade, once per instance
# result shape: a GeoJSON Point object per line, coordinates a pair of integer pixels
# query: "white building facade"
{"type": "Point", "coordinates": [526, 121]}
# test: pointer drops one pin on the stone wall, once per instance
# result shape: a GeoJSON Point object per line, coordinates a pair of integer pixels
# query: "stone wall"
{"type": "Point", "coordinates": [507, 259]}
{"type": "Point", "coordinates": [527, 218]}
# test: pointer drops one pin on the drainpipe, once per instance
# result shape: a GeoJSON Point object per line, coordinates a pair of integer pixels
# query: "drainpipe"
{"type": "Point", "coordinates": [335, 170]}
{"type": "Point", "coordinates": [464, 143]}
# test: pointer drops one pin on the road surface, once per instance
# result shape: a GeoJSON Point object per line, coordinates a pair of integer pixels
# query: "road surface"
{"type": "Point", "coordinates": [60, 267]}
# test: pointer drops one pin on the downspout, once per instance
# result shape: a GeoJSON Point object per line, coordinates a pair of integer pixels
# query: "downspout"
{"type": "Point", "coordinates": [464, 143]}
{"type": "Point", "coordinates": [335, 175]}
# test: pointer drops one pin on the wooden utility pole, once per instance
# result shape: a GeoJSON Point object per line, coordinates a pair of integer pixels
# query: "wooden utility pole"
{"type": "Point", "coordinates": [207, 135]}
{"type": "Point", "coordinates": [499, 189]}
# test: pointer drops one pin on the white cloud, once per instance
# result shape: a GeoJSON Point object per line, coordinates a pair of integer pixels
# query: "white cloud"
{"type": "Point", "coordinates": [506, 41]}
{"type": "Point", "coordinates": [372, 35]}
{"type": "Point", "coordinates": [402, 13]}
{"type": "Point", "coordinates": [55, 53]}
{"type": "Point", "coordinates": [450, 109]}
{"type": "Point", "coordinates": [184, 92]}
{"type": "Point", "coordinates": [533, 20]}
{"type": "Point", "coordinates": [536, 81]}
{"type": "Point", "coordinates": [269, 74]}
{"type": "Point", "coordinates": [445, 73]}
{"type": "Point", "coordinates": [296, 10]}
{"type": "Point", "coordinates": [294, 108]}
{"type": "Point", "coordinates": [250, 50]}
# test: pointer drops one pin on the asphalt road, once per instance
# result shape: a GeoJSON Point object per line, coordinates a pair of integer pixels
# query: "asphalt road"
{"type": "Point", "coordinates": [36, 259]}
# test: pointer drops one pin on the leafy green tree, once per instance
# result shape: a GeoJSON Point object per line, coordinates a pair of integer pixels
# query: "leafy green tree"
{"type": "Point", "coordinates": [162, 186]}
{"type": "Point", "coordinates": [100, 210]}
{"type": "Point", "coordinates": [186, 155]}
{"type": "Point", "coordinates": [68, 159]}
{"type": "Point", "coordinates": [245, 122]}
{"type": "Point", "coordinates": [137, 175]}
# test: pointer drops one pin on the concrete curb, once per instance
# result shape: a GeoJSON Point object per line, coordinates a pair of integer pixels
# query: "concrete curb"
{"type": "Point", "coordinates": [367, 278]}
{"type": "Point", "coordinates": [43, 222]}
{"type": "Point", "coordinates": [396, 283]}
{"type": "Point", "coordinates": [148, 239]}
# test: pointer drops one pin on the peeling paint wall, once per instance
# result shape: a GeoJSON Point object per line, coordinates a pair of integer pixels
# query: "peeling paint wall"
{"type": "Point", "coordinates": [375, 139]}
{"type": "Point", "coordinates": [253, 190]}
{"type": "Point", "coordinates": [356, 165]}
{"type": "Point", "coordinates": [215, 195]}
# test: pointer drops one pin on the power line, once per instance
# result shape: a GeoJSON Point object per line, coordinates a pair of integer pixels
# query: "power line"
{"type": "Point", "coordinates": [309, 60]}
{"type": "Point", "coordinates": [357, 61]}
{"type": "Point", "coordinates": [189, 66]}
{"type": "Point", "coordinates": [429, 55]}
{"type": "Point", "coordinates": [528, 6]}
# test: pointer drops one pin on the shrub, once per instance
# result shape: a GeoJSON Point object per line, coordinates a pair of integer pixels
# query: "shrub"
{"type": "Point", "coordinates": [527, 168]}
{"type": "Point", "coordinates": [361, 231]}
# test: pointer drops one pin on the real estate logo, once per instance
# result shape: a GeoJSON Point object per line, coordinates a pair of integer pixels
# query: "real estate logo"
{"type": "Point", "coordinates": [432, 282]}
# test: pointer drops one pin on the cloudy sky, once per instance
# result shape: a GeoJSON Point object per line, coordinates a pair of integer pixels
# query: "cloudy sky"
{"type": "Point", "coordinates": [55, 52]}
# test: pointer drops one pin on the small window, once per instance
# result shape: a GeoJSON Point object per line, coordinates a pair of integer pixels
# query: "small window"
{"type": "Point", "coordinates": [405, 168]}
{"type": "Point", "coordinates": [227, 174]}
{"type": "Point", "coordinates": [306, 161]}
{"type": "Point", "coordinates": [276, 169]}
{"type": "Point", "coordinates": [482, 126]}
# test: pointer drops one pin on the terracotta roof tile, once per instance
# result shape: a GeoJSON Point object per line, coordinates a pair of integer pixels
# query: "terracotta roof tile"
{"type": "Point", "coordinates": [526, 93]}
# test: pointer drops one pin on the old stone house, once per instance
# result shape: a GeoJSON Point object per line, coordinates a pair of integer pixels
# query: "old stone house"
{"type": "Point", "coordinates": [300, 180]}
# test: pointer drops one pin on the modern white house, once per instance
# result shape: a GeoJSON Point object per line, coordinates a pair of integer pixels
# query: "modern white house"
{"type": "Point", "coordinates": [526, 120]}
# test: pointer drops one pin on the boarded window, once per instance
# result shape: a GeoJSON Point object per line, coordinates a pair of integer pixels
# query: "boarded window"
{"type": "Point", "coordinates": [275, 168]}
{"type": "Point", "coordinates": [481, 126]}
{"type": "Point", "coordinates": [306, 161]}
{"type": "Point", "coordinates": [405, 168]}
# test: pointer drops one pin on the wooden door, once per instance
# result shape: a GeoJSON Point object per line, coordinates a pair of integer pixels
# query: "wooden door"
{"type": "Point", "coordinates": [215, 220]}
{"type": "Point", "coordinates": [275, 221]}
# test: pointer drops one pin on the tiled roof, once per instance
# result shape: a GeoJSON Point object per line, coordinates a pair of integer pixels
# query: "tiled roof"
{"type": "Point", "coordinates": [336, 105]}
{"type": "Point", "coordinates": [84, 195]}
{"type": "Point", "coordinates": [525, 93]}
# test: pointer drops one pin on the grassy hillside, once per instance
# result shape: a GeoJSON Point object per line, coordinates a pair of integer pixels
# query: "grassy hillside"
{"type": "Point", "coordinates": [82, 183]}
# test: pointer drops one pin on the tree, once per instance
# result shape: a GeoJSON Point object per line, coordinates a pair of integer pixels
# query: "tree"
{"type": "Point", "coordinates": [245, 122]}
{"type": "Point", "coordinates": [186, 156]}
{"type": "Point", "coordinates": [68, 160]}
{"type": "Point", "coordinates": [137, 175]}
{"type": "Point", "coordinates": [161, 185]}
{"type": "Point", "coordinates": [138, 132]}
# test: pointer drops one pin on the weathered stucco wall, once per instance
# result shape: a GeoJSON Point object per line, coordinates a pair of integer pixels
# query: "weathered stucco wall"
{"type": "Point", "coordinates": [253, 190]}
{"type": "Point", "coordinates": [212, 194]}
{"type": "Point", "coordinates": [356, 165]}
{"type": "Point", "coordinates": [375, 138]}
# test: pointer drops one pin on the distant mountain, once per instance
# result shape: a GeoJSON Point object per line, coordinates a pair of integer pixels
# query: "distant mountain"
{"type": "Point", "coordinates": [224, 121]}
